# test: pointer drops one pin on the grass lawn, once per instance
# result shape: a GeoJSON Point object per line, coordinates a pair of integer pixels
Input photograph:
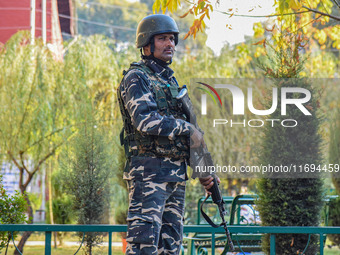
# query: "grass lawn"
{"type": "Point", "coordinates": [40, 250]}
{"type": "Point", "coordinates": [332, 251]}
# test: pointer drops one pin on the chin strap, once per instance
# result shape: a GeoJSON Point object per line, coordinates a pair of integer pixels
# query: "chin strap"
{"type": "Point", "coordinates": [157, 60]}
{"type": "Point", "coordinates": [152, 45]}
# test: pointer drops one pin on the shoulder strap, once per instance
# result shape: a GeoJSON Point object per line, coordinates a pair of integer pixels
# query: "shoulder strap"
{"type": "Point", "coordinates": [206, 217]}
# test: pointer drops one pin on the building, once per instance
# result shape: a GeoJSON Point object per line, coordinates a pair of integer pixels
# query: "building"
{"type": "Point", "coordinates": [10, 181]}
{"type": "Point", "coordinates": [15, 15]}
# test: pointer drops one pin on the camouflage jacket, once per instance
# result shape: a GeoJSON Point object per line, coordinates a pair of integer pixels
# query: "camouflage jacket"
{"type": "Point", "coordinates": [138, 98]}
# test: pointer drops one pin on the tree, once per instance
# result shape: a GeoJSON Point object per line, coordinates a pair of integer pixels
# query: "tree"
{"type": "Point", "coordinates": [294, 201]}
{"type": "Point", "coordinates": [334, 149]}
{"type": "Point", "coordinates": [35, 106]}
{"type": "Point", "coordinates": [334, 158]}
{"type": "Point", "coordinates": [115, 19]}
{"type": "Point", "coordinates": [86, 166]}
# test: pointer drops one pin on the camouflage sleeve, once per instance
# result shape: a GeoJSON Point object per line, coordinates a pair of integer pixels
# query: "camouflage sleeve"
{"type": "Point", "coordinates": [142, 107]}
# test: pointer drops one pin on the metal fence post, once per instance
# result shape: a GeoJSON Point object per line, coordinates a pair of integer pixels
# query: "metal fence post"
{"type": "Point", "coordinates": [110, 243]}
{"type": "Point", "coordinates": [213, 244]}
{"type": "Point", "coordinates": [272, 244]}
{"type": "Point", "coordinates": [48, 237]}
{"type": "Point", "coordinates": [321, 243]}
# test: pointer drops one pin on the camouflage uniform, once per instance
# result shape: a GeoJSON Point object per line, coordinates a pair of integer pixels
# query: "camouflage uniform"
{"type": "Point", "coordinates": [156, 143]}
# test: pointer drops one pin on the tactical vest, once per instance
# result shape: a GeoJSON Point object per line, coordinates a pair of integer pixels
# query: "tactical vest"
{"type": "Point", "coordinates": [137, 143]}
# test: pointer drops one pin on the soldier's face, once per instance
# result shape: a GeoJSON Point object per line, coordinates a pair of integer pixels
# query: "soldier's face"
{"type": "Point", "coordinates": [164, 47]}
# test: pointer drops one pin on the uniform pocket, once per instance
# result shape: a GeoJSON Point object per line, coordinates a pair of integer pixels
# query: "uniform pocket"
{"type": "Point", "coordinates": [140, 229]}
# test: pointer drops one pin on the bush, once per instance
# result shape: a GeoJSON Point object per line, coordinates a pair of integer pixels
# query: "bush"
{"type": "Point", "coordinates": [334, 220]}
{"type": "Point", "coordinates": [334, 158]}
{"type": "Point", "coordinates": [12, 211]}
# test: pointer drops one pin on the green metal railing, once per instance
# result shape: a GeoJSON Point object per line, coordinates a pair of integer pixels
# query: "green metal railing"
{"type": "Point", "coordinates": [48, 229]}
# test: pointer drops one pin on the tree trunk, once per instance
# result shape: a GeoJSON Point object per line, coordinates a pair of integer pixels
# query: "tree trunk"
{"type": "Point", "coordinates": [27, 234]}
{"type": "Point", "coordinates": [22, 242]}
{"type": "Point", "coordinates": [8, 240]}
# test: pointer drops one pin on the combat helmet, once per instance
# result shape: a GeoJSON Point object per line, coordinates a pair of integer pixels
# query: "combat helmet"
{"type": "Point", "coordinates": [153, 25]}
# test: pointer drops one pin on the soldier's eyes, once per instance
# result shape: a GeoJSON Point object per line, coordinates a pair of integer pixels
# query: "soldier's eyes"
{"type": "Point", "coordinates": [164, 38]}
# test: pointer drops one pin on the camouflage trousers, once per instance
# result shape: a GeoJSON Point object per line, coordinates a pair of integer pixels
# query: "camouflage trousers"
{"type": "Point", "coordinates": [155, 217]}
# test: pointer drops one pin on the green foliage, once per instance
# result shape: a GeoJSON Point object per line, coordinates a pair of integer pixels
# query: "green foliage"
{"type": "Point", "coordinates": [31, 97]}
{"type": "Point", "coordinates": [334, 220]}
{"type": "Point", "coordinates": [334, 149]}
{"type": "Point", "coordinates": [120, 18]}
{"type": "Point", "coordinates": [86, 169]}
{"type": "Point", "coordinates": [44, 101]}
{"type": "Point", "coordinates": [62, 203]}
{"type": "Point", "coordinates": [119, 190]}
{"type": "Point", "coordinates": [293, 201]}
{"type": "Point", "coordinates": [334, 158]}
{"type": "Point", "coordinates": [36, 201]}
{"type": "Point", "coordinates": [12, 211]}
{"type": "Point", "coordinates": [36, 107]}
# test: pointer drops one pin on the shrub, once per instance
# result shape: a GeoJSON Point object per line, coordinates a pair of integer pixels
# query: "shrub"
{"type": "Point", "coordinates": [12, 211]}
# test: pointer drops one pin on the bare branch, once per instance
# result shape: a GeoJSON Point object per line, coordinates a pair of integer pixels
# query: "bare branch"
{"type": "Point", "coordinates": [15, 161]}
{"type": "Point", "coordinates": [337, 3]}
{"type": "Point", "coordinates": [37, 167]}
{"type": "Point", "coordinates": [263, 16]}
{"type": "Point", "coordinates": [322, 13]}
{"type": "Point", "coordinates": [47, 136]}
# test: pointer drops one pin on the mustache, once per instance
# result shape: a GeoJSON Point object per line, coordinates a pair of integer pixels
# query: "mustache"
{"type": "Point", "coordinates": [172, 49]}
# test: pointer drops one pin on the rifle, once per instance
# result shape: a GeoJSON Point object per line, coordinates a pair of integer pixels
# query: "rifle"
{"type": "Point", "coordinates": [200, 157]}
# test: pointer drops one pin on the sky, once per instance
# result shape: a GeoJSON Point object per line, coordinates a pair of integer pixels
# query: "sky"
{"type": "Point", "coordinates": [219, 34]}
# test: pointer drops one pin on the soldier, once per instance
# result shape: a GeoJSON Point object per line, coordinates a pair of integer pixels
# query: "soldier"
{"type": "Point", "coordinates": [155, 138]}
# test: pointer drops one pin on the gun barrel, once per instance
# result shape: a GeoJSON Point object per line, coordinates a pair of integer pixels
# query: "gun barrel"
{"type": "Point", "coordinates": [229, 240]}
{"type": "Point", "coordinates": [187, 107]}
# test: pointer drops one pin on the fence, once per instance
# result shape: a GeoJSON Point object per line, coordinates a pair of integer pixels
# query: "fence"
{"type": "Point", "coordinates": [48, 229]}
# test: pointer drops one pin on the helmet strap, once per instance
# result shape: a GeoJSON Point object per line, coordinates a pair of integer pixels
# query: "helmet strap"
{"type": "Point", "coordinates": [152, 45]}
{"type": "Point", "coordinates": [157, 60]}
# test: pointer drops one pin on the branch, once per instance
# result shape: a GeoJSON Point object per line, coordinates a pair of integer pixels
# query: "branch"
{"type": "Point", "coordinates": [263, 16]}
{"type": "Point", "coordinates": [15, 161]}
{"type": "Point", "coordinates": [336, 2]}
{"type": "Point", "coordinates": [26, 108]}
{"type": "Point", "coordinates": [322, 13]}
{"type": "Point", "coordinates": [37, 167]}
{"type": "Point", "coordinates": [22, 162]}
{"type": "Point", "coordinates": [21, 170]}
{"type": "Point", "coordinates": [49, 135]}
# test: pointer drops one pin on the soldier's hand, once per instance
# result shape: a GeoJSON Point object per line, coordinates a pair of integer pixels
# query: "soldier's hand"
{"type": "Point", "coordinates": [207, 182]}
{"type": "Point", "coordinates": [196, 138]}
